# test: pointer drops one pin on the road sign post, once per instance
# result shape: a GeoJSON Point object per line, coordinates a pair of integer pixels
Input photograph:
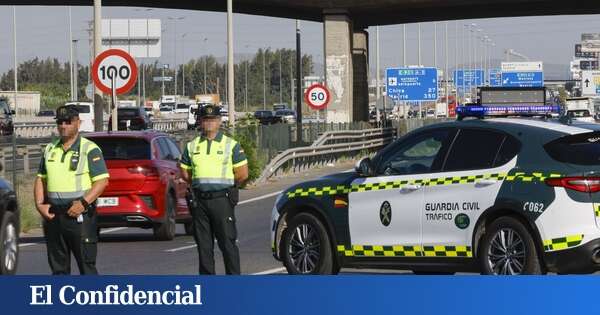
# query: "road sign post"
{"type": "Point", "coordinates": [114, 72]}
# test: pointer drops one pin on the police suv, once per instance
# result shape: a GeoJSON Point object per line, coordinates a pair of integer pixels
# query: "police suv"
{"type": "Point", "coordinates": [495, 195]}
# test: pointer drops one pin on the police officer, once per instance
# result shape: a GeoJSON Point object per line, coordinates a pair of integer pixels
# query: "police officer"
{"type": "Point", "coordinates": [215, 164]}
{"type": "Point", "coordinates": [72, 174]}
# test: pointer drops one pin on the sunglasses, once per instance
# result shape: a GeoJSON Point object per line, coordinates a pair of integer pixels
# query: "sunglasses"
{"type": "Point", "coordinates": [61, 121]}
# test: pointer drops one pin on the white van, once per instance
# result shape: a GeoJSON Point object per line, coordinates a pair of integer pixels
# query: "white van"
{"type": "Point", "coordinates": [86, 115]}
{"type": "Point", "coordinates": [191, 121]}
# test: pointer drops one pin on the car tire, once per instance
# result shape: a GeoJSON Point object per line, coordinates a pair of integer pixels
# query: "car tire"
{"type": "Point", "coordinates": [508, 248]}
{"type": "Point", "coordinates": [166, 231]}
{"type": "Point", "coordinates": [189, 227]}
{"type": "Point", "coordinates": [9, 244]}
{"type": "Point", "coordinates": [306, 242]}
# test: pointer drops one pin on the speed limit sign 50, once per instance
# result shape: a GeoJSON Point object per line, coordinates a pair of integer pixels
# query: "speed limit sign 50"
{"type": "Point", "coordinates": [115, 63]}
{"type": "Point", "coordinates": [317, 96]}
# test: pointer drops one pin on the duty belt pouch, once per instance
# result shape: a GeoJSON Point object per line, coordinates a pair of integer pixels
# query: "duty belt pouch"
{"type": "Point", "coordinates": [234, 196]}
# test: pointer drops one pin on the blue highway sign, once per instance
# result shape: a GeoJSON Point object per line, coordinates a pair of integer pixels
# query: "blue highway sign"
{"type": "Point", "coordinates": [412, 84]}
{"type": "Point", "coordinates": [523, 79]}
{"type": "Point", "coordinates": [495, 77]}
{"type": "Point", "coordinates": [468, 78]}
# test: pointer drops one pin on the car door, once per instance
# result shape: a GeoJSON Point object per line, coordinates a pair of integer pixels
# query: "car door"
{"type": "Point", "coordinates": [181, 185]}
{"type": "Point", "coordinates": [170, 171]}
{"type": "Point", "coordinates": [385, 209]}
{"type": "Point", "coordinates": [472, 176]}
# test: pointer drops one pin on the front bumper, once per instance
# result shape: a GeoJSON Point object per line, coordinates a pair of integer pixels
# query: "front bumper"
{"type": "Point", "coordinates": [575, 260]}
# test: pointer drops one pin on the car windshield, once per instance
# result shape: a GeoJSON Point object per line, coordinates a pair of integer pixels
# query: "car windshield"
{"type": "Point", "coordinates": [284, 113]}
{"type": "Point", "coordinates": [129, 112]}
{"type": "Point", "coordinates": [83, 109]}
{"type": "Point", "coordinates": [165, 109]}
{"type": "Point", "coordinates": [579, 113]}
{"type": "Point", "coordinates": [114, 148]}
{"type": "Point", "coordinates": [263, 113]}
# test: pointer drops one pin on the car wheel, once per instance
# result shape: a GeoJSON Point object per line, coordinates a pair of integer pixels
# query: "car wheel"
{"type": "Point", "coordinates": [9, 244]}
{"type": "Point", "coordinates": [166, 230]}
{"type": "Point", "coordinates": [508, 249]}
{"type": "Point", "coordinates": [306, 246]}
{"type": "Point", "coordinates": [189, 228]}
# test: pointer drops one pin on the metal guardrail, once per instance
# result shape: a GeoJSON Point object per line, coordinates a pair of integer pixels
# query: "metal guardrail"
{"type": "Point", "coordinates": [299, 159]}
{"type": "Point", "coordinates": [349, 135]}
{"type": "Point", "coordinates": [48, 129]}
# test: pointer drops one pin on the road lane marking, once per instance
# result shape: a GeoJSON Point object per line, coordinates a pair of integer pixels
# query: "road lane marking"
{"type": "Point", "coordinates": [180, 248]}
{"type": "Point", "coordinates": [172, 250]}
{"type": "Point", "coordinates": [30, 244]}
{"type": "Point", "coordinates": [104, 231]}
{"type": "Point", "coordinates": [268, 272]}
{"type": "Point", "coordinates": [260, 197]}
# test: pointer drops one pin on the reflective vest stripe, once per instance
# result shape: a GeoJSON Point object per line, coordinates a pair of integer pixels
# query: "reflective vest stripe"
{"type": "Point", "coordinates": [82, 163]}
{"type": "Point", "coordinates": [224, 181]}
{"type": "Point", "coordinates": [227, 153]}
{"type": "Point", "coordinates": [66, 195]}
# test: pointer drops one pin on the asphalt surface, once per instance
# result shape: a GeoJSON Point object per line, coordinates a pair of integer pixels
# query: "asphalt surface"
{"type": "Point", "coordinates": [133, 251]}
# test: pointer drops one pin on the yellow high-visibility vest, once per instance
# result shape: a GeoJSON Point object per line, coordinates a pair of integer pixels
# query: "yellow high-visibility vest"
{"type": "Point", "coordinates": [214, 166]}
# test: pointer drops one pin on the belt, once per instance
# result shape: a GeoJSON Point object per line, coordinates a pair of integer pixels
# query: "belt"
{"type": "Point", "coordinates": [211, 194]}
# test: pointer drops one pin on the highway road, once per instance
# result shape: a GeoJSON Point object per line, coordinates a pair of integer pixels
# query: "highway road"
{"type": "Point", "coordinates": [133, 251]}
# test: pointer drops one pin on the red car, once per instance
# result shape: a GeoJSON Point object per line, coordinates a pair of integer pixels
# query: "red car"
{"type": "Point", "coordinates": [145, 187]}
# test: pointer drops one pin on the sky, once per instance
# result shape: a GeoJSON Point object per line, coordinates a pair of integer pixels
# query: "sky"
{"type": "Point", "coordinates": [43, 32]}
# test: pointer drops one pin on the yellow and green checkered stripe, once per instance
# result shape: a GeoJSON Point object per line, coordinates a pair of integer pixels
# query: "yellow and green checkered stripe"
{"type": "Point", "coordinates": [597, 210]}
{"type": "Point", "coordinates": [404, 251]}
{"type": "Point", "coordinates": [563, 242]}
{"type": "Point", "coordinates": [442, 181]}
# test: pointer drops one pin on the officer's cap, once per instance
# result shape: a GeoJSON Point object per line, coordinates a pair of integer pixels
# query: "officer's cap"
{"type": "Point", "coordinates": [209, 111]}
{"type": "Point", "coordinates": [66, 112]}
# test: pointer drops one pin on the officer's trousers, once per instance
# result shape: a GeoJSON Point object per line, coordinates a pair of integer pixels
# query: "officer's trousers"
{"type": "Point", "coordinates": [215, 218]}
{"type": "Point", "coordinates": [64, 235]}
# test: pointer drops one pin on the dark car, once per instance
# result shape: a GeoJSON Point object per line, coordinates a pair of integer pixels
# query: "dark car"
{"type": "Point", "coordinates": [267, 117]}
{"type": "Point", "coordinates": [46, 113]}
{"type": "Point", "coordinates": [145, 188]}
{"type": "Point", "coordinates": [6, 119]}
{"type": "Point", "coordinates": [131, 118]}
{"type": "Point", "coordinates": [9, 229]}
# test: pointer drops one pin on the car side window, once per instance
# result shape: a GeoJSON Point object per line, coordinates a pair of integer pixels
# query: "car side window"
{"type": "Point", "coordinates": [175, 152]}
{"type": "Point", "coordinates": [474, 149]}
{"type": "Point", "coordinates": [416, 155]}
{"type": "Point", "coordinates": [165, 153]}
{"type": "Point", "coordinates": [510, 148]}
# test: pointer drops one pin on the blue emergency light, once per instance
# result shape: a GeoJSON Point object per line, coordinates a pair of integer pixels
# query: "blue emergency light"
{"type": "Point", "coordinates": [481, 111]}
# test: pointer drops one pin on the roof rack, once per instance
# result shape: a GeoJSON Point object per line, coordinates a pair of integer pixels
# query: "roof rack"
{"type": "Point", "coordinates": [505, 110]}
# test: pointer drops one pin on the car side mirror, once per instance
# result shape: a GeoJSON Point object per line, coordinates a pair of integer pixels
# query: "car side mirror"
{"type": "Point", "coordinates": [364, 167]}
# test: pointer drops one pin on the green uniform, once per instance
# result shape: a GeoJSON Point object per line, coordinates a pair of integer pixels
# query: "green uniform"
{"type": "Point", "coordinates": [211, 163]}
{"type": "Point", "coordinates": [69, 174]}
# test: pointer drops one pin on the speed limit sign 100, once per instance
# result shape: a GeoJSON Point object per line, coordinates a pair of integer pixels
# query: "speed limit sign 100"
{"type": "Point", "coordinates": [317, 96]}
{"type": "Point", "coordinates": [115, 63]}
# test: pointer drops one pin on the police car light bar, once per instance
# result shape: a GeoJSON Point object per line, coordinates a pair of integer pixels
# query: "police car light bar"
{"type": "Point", "coordinates": [506, 110]}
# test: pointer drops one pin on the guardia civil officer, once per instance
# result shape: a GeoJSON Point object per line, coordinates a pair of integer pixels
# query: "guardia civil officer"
{"type": "Point", "coordinates": [71, 176]}
{"type": "Point", "coordinates": [215, 164]}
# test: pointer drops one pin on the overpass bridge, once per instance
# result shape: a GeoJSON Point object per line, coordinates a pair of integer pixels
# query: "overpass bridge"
{"type": "Point", "coordinates": [345, 24]}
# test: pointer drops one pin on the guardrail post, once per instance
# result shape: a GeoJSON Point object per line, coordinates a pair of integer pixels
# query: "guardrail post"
{"type": "Point", "coordinates": [2, 161]}
{"type": "Point", "coordinates": [25, 153]}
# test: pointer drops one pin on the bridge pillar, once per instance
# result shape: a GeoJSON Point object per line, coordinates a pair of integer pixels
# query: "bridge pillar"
{"type": "Point", "coordinates": [360, 71]}
{"type": "Point", "coordinates": [345, 67]}
{"type": "Point", "coordinates": [337, 28]}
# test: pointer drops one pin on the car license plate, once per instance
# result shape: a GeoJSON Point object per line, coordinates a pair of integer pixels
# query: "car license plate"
{"type": "Point", "coordinates": [108, 202]}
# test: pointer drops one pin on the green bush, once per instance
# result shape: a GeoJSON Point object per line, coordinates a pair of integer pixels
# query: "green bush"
{"type": "Point", "coordinates": [247, 140]}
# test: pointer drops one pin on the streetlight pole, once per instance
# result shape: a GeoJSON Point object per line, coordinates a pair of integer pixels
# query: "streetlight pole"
{"type": "Point", "coordinates": [419, 48]}
{"type": "Point", "coordinates": [75, 71]}
{"type": "Point", "coordinates": [230, 64]}
{"type": "Point", "coordinates": [183, 66]}
{"type": "Point", "coordinates": [98, 102]}
{"type": "Point", "coordinates": [264, 81]}
{"type": "Point", "coordinates": [246, 88]}
{"type": "Point", "coordinates": [446, 71]}
{"type": "Point", "coordinates": [404, 45]}
{"type": "Point", "coordinates": [280, 81]}
{"type": "Point", "coordinates": [377, 92]}
{"type": "Point", "coordinates": [175, 19]}
{"type": "Point", "coordinates": [435, 45]}
{"type": "Point", "coordinates": [71, 54]}
{"type": "Point", "coordinates": [14, 137]}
